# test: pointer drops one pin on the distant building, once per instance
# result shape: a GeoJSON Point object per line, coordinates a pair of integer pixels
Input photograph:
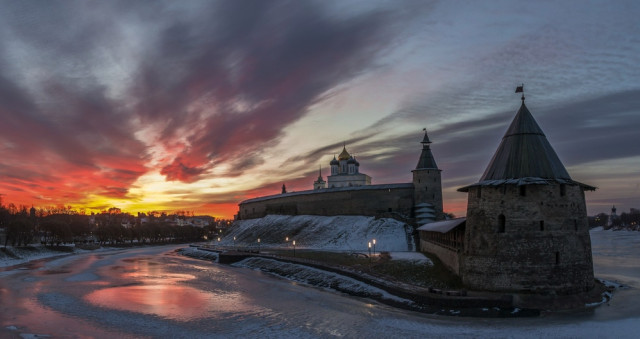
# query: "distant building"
{"type": "Point", "coordinates": [612, 217]}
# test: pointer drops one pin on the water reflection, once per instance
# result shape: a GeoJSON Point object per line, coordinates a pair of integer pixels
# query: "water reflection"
{"type": "Point", "coordinates": [145, 286]}
{"type": "Point", "coordinates": [175, 302]}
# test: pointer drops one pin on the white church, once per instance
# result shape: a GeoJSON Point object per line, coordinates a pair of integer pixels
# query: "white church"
{"type": "Point", "coordinates": [345, 172]}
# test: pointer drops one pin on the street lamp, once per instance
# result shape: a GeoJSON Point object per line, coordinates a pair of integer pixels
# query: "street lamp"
{"type": "Point", "coordinates": [294, 248]}
{"type": "Point", "coordinates": [258, 245]}
{"type": "Point", "coordinates": [369, 250]}
{"type": "Point", "coordinates": [374, 246]}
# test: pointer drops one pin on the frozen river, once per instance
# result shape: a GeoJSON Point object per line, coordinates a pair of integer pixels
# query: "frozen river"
{"type": "Point", "coordinates": [153, 292]}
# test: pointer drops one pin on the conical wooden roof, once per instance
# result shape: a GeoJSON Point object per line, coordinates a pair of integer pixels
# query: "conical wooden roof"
{"type": "Point", "coordinates": [525, 152]}
{"type": "Point", "coordinates": [525, 157]}
{"type": "Point", "coordinates": [426, 161]}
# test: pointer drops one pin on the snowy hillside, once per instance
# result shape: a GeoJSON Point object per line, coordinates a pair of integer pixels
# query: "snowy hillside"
{"type": "Point", "coordinates": [350, 233]}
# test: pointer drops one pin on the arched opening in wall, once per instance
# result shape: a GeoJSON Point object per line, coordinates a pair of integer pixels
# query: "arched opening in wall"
{"type": "Point", "coordinates": [418, 181]}
{"type": "Point", "coordinates": [523, 191]}
{"type": "Point", "coordinates": [426, 189]}
{"type": "Point", "coordinates": [390, 209]}
{"type": "Point", "coordinates": [479, 192]}
{"type": "Point", "coordinates": [557, 258]}
{"type": "Point", "coordinates": [563, 190]}
{"type": "Point", "coordinates": [575, 225]}
{"type": "Point", "coordinates": [502, 221]}
{"type": "Point", "coordinates": [541, 225]}
{"type": "Point", "coordinates": [433, 196]}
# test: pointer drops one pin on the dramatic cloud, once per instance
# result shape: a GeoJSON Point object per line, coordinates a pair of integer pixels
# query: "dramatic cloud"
{"type": "Point", "coordinates": [200, 104]}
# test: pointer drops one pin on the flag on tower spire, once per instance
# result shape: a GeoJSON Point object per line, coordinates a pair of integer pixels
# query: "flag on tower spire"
{"type": "Point", "coordinates": [520, 89]}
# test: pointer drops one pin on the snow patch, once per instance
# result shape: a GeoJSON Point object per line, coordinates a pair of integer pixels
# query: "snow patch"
{"type": "Point", "coordinates": [348, 233]}
{"type": "Point", "coordinates": [415, 257]}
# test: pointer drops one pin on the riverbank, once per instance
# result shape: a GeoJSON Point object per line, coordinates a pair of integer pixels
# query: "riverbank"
{"type": "Point", "coordinates": [386, 289]}
{"type": "Point", "coordinates": [14, 256]}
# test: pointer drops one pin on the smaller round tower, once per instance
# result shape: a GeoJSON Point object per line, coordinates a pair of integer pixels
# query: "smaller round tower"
{"type": "Point", "coordinates": [427, 183]}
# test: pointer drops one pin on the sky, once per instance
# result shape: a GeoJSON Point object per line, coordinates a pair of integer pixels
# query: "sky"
{"type": "Point", "coordinates": [198, 105]}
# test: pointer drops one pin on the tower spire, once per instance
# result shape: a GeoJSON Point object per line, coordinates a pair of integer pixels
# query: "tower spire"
{"type": "Point", "coordinates": [426, 157]}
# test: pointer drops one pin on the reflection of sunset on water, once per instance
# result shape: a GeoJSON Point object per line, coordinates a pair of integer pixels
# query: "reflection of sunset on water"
{"type": "Point", "coordinates": [151, 289]}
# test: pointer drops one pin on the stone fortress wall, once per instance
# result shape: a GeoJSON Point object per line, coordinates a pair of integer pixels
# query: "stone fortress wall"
{"type": "Point", "coordinates": [390, 200]}
{"type": "Point", "coordinates": [357, 197]}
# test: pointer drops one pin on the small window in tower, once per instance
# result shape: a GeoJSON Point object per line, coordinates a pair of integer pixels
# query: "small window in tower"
{"type": "Point", "coordinates": [541, 225]}
{"type": "Point", "coordinates": [563, 190]}
{"type": "Point", "coordinates": [575, 224]}
{"type": "Point", "coordinates": [523, 190]}
{"type": "Point", "coordinates": [390, 209]}
{"type": "Point", "coordinates": [479, 192]}
{"type": "Point", "coordinates": [557, 258]}
{"type": "Point", "coordinates": [418, 181]}
{"type": "Point", "coordinates": [502, 221]}
{"type": "Point", "coordinates": [426, 188]}
{"type": "Point", "coordinates": [433, 196]}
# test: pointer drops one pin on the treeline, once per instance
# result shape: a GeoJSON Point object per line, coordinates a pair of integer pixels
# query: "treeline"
{"type": "Point", "coordinates": [624, 220]}
{"type": "Point", "coordinates": [23, 227]}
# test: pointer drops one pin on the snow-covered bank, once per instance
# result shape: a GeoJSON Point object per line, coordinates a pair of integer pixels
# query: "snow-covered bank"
{"type": "Point", "coordinates": [20, 255]}
{"type": "Point", "coordinates": [318, 278]}
{"type": "Point", "coordinates": [350, 233]}
{"type": "Point", "coordinates": [197, 253]}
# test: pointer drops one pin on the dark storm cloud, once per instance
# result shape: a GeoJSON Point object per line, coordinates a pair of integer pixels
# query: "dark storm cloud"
{"type": "Point", "coordinates": [217, 81]}
{"type": "Point", "coordinates": [58, 124]}
{"type": "Point", "coordinates": [261, 64]}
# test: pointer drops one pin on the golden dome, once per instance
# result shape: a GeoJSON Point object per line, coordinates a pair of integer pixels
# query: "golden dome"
{"type": "Point", "coordinates": [344, 155]}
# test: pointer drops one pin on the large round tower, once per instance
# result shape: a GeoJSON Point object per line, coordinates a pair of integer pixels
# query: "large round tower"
{"type": "Point", "coordinates": [527, 227]}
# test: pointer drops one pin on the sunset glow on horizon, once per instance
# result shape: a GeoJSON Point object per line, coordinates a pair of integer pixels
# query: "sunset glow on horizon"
{"type": "Point", "coordinates": [196, 106]}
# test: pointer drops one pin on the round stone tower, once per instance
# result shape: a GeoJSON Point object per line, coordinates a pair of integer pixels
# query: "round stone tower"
{"type": "Point", "coordinates": [427, 182]}
{"type": "Point", "coordinates": [527, 227]}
